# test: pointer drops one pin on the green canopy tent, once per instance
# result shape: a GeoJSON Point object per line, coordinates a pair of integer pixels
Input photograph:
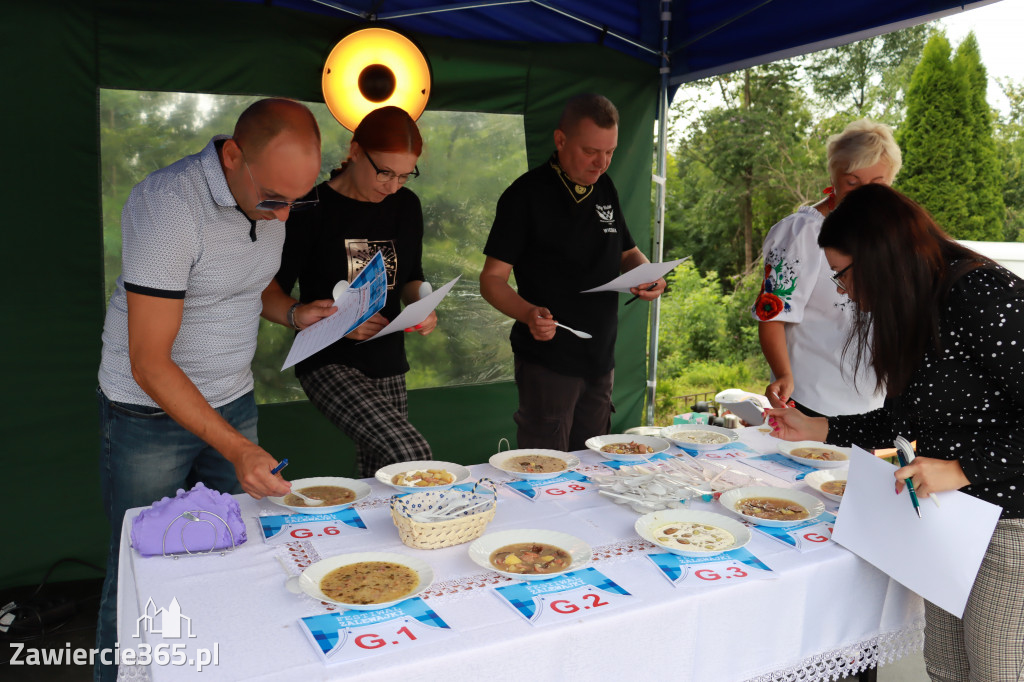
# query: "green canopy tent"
{"type": "Point", "coordinates": [59, 54]}
{"type": "Point", "coordinates": [63, 52]}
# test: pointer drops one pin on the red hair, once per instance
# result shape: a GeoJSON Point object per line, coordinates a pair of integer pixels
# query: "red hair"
{"type": "Point", "coordinates": [388, 129]}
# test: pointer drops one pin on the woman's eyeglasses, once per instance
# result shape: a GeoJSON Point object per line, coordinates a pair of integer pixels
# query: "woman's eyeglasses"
{"type": "Point", "coordinates": [836, 275]}
{"type": "Point", "coordinates": [384, 176]}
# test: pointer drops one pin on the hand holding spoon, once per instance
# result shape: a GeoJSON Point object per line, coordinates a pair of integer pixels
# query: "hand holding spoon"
{"type": "Point", "coordinates": [582, 335]}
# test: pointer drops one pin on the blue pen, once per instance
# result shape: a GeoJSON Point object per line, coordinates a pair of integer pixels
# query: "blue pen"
{"type": "Point", "coordinates": [284, 463]}
{"type": "Point", "coordinates": [910, 484]}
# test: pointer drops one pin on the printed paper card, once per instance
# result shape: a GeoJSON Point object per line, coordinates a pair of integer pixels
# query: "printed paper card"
{"type": "Point", "coordinates": [291, 527]}
{"type": "Point", "coordinates": [616, 464]}
{"type": "Point", "coordinates": [725, 568]}
{"type": "Point", "coordinates": [806, 536]}
{"type": "Point", "coordinates": [725, 453]}
{"type": "Point", "coordinates": [568, 483]}
{"type": "Point", "coordinates": [354, 635]}
{"type": "Point", "coordinates": [780, 467]}
{"type": "Point", "coordinates": [567, 597]}
{"type": "Point", "coordinates": [356, 304]}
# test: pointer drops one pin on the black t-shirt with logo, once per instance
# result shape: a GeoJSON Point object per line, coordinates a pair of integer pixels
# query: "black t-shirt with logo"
{"type": "Point", "coordinates": [334, 241]}
{"type": "Point", "coordinates": [562, 238]}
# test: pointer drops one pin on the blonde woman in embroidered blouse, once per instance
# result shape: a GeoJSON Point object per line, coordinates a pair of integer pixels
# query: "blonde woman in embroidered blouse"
{"type": "Point", "coordinates": [804, 323]}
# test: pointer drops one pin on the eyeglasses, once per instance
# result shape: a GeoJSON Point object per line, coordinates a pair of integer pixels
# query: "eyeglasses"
{"type": "Point", "coordinates": [836, 275]}
{"type": "Point", "coordinates": [384, 176]}
{"type": "Point", "coordinates": [276, 204]}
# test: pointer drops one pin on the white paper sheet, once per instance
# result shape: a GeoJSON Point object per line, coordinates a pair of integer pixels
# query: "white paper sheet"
{"type": "Point", "coordinates": [641, 274]}
{"type": "Point", "coordinates": [937, 556]}
{"type": "Point", "coordinates": [414, 313]}
{"type": "Point", "coordinates": [363, 298]}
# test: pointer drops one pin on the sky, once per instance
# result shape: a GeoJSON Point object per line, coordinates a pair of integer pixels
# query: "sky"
{"type": "Point", "coordinates": [998, 30]}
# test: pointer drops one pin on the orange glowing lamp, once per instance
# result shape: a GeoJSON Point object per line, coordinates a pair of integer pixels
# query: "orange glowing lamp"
{"type": "Point", "coordinates": [372, 68]}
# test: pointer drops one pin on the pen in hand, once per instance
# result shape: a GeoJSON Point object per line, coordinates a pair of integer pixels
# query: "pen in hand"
{"type": "Point", "coordinates": [636, 296]}
{"type": "Point", "coordinates": [282, 465]}
{"type": "Point", "coordinates": [910, 484]}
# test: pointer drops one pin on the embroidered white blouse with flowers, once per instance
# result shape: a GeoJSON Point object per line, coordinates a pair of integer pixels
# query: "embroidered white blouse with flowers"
{"type": "Point", "coordinates": [797, 290]}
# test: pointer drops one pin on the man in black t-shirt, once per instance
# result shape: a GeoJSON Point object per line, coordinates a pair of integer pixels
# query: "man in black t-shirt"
{"type": "Point", "coordinates": [560, 230]}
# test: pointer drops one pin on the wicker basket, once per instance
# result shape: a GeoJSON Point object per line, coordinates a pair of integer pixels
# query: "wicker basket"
{"type": "Point", "coordinates": [441, 533]}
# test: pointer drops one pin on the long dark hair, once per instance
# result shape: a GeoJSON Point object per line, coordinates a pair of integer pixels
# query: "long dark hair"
{"type": "Point", "coordinates": [903, 266]}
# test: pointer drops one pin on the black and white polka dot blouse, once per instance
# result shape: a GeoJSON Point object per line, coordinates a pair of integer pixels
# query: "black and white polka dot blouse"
{"type": "Point", "coordinates": [967, 402]}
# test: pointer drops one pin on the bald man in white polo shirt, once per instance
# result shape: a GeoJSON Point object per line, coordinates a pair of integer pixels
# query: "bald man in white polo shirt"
{"type": "Point", "coordinates": [201, 240]}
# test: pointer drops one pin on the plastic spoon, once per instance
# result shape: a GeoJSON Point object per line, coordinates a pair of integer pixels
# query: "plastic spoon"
{"type": "Point", "coordinates": [310, 501]}
{"type": "Point", "coordinates": [582, 335]}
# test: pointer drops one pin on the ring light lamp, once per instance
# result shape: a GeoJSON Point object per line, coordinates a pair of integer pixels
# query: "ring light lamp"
{"type": "Point", "coordinates": [372, 68]}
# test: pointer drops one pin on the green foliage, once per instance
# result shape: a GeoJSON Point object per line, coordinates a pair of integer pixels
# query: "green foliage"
{"type": "Point", "coordinates": [868, 77]}
{"type": "Point", "coordinates": [733, 165]}
{"type": "Point", "coordinates": [708, 339]}
{"type": "Point", "coordinates": [986, 213]}
{"type": "Point", "coordinates": [936, 169]}
{"type": "Point", "coordinates": [1009, 134]}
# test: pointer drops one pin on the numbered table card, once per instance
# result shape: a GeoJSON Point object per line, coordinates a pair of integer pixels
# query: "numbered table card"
{"type": "Point", "coordinates": [725, 568]}
{"type": "Point", "coordinates": [568, 483]}
{"type": "Point", "coordinates": [353, 635]}
{"type": "Point", "coordinates": [567, 597]}
{"type": "Point", "coordinates": [291, 527]}
{"type": "Point", "coordinates": [805, 536]}
{"type": "Point", "coordinates": [616, 464]}
{"type": "Point", "coordinates": [780, 467]}
{"type": "Point", "coordinates": [725, 453]}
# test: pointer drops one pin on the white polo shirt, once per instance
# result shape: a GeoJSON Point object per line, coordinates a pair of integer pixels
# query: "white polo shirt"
{"type": "Point", "coordinates": [797, 291]}
{"type": "Point", "coordinates": [183, 236]}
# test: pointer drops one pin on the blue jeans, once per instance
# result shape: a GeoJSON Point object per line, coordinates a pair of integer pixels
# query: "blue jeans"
{"type": "Point", "coordinates": [146, 456]}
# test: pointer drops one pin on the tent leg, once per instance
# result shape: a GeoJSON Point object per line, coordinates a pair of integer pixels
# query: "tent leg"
{"type": "Point", "coordinates": [657, 250]}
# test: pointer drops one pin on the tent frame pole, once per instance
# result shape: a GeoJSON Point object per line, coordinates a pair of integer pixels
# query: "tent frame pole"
{"type": "Point", "coordinates": [657, 248]}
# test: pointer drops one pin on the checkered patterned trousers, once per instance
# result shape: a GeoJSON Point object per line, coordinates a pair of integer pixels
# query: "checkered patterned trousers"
{"type": "Point", "coordinates": [987, 645]}
{"type": "Point", "coordinates": [372, 412]}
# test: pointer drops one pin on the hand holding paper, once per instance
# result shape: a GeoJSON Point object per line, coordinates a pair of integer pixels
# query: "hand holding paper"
{"type": "Point", "coordinates": [417, 312]}
{"type": "Point", "coordinates": [641, 274]}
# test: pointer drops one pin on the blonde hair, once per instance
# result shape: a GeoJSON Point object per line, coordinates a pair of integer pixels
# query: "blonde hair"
{"type": "Point", "coordinates": [862, 143]}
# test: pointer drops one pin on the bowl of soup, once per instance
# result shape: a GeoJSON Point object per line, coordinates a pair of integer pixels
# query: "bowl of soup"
{"type": "Point", "coordinates": [365, 581]}
{"type": "Point", "coordinates": [699, 436]}
{"type": "Point", "coordinates": [627, 447]}
{"type": "Point", "coordinates": [530, 554]}
{"type": "Point", "coordinates": [693, 533]}
{"type": "Point", "coordinates": [412, 477]}
{"type": "Point", "coordinates": [769, 506]}
{"type": "Point", "coordinates": [829, 482]}
{"type": "Point", "coordinates": [534, 463]}
{"type": "Point", "coordinates": [815, 454]}
{"type": "Point", "coordinates": [336, 492]}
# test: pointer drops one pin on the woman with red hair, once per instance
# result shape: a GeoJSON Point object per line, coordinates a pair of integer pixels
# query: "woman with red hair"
{"type": "Point", "coordinates": [363, 209]}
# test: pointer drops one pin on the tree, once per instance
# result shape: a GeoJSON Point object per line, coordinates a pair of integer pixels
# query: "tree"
{"type": "Point", "coordinates": [986, 213]}
{"type": "Point", "coordinates": [1009, 136]}
{"type": "Point", "coordinates": [935, 172]}
{"type": "Point", "coordinates": [737, 159]}
{"type": "Point", "coordinates": [868, 77]}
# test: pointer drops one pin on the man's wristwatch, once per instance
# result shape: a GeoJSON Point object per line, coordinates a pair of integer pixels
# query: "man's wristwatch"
{"type": "Point", "coordinates": [291, 315]}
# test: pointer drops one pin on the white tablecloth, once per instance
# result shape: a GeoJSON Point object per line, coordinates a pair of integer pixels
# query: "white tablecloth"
{"type": "Point", "coordinates": [826, 612]}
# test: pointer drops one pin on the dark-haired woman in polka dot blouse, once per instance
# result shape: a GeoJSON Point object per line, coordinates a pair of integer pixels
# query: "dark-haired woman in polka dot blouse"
{"type": "Point", "coordinates": [943, 329]}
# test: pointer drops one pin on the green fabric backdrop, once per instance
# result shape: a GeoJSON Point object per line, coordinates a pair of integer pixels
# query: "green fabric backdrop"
{"type": "Point", "coordinates": [58, 54]}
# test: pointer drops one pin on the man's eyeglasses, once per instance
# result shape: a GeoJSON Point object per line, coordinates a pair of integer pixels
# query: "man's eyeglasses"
{"type": "Point", "coordinates": [384, 176]}
{"type": "Point", "coordinates": [276, 204]}
{"type": "Point", "coordinates": [836, 275]}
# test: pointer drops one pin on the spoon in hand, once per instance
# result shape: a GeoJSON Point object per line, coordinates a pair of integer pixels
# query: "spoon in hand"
{"type": "Point", "coordinates": [582, 335]}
